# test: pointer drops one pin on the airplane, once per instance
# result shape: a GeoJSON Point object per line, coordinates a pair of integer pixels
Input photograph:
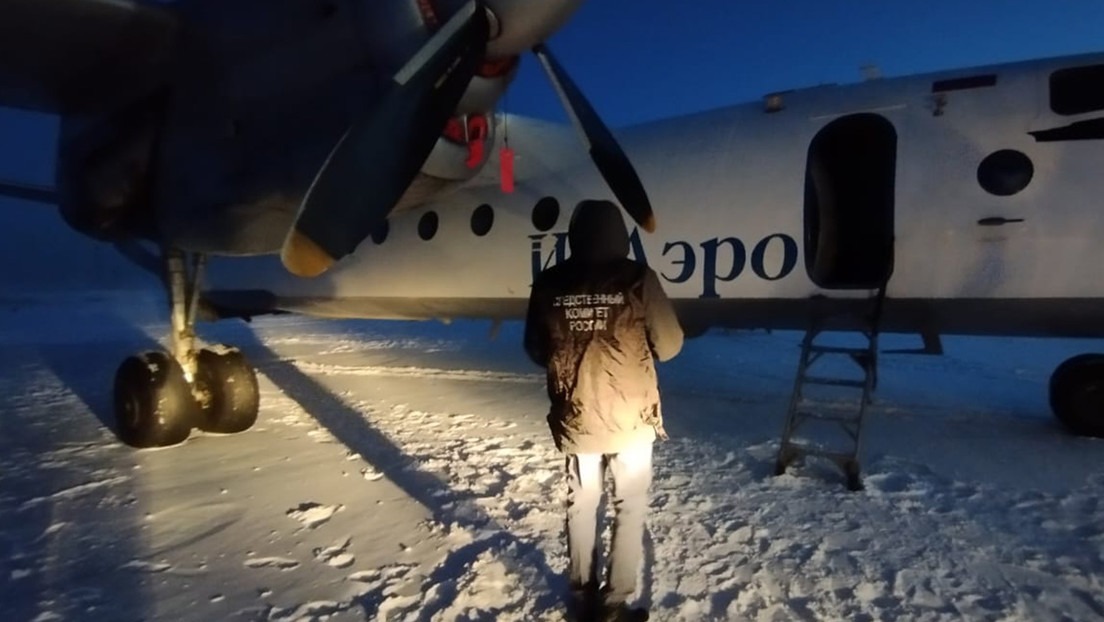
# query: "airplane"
{"type": "Point", "coordinates": [958, 202]}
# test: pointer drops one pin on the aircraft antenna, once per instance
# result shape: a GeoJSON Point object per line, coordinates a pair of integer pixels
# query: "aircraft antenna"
{"type": "Point", "coordinates": [871, 72]}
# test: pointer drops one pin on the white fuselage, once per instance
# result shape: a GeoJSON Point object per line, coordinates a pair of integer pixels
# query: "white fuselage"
{"type": "Point", "coordinates": [729, 189]}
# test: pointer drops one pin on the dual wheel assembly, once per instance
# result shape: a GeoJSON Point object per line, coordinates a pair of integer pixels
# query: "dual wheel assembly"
{"type": "Point", "coordinates": [156, 405]}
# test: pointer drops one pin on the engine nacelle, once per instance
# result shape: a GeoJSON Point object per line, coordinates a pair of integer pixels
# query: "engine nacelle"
{"type": "Point", "coordinates": [104, 171]}
{"type": "Point", "coordinates": [395, 31]}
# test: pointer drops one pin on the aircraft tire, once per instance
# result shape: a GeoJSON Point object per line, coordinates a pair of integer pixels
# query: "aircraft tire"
{"type": "Point", "coordinates": [229, 386]}
{"type": "Point", "coordinates": [1077, 394]}
{"type": "Point", "coordinates": [154, 406]}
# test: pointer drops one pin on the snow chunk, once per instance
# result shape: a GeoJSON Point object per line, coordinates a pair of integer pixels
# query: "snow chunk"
{"type": "Point", "coordinates": [283, 563]}
{"type": "Point", "coordinates": [314, 514]}
{"type": "Point", "coordinates": [336, 555]}
{"type": "Point", "coordinates": [144, 566]}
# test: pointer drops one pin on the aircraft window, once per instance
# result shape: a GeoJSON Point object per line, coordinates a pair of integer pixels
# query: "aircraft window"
{"type": "Point", "coordinates": [482, 219]}
{"type": "Point", "coordinates": [427, 226]}
{"type": "Point", "coordinates": [546, 213]}
{"type": "Point", "coordinates": [379, 234]}
{"type": "Point", "coordinates": [961, 84]}
{"type": "Point", "coordinates": [1005, 172]}
{"type": "Point", "coordinates": [1077, 90]}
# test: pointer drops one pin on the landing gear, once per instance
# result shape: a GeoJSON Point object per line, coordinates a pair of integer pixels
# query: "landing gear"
{"type": "Point", "coordinates": [1077, 394]}
{"type": "Point", "coordinates": [154, 406]}
{"type": "Point", "coordinates": [227, 390]}
{"type": "Point", "coordinates": [160, 396]}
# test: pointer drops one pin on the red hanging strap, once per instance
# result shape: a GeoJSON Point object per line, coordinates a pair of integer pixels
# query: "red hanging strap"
{"type": "Point", "coordinates": [472, 133]}
{"type": "Point", "coordinates": [506, 168]}
{"type": "Point", "coordinates": [477, 137]}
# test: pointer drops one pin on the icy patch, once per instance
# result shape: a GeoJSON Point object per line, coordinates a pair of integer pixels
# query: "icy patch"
{"type": "Point", "coordinates": [417, 372]}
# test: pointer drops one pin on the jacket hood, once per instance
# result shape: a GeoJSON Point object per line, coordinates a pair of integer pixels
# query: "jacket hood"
{"type": "Point", "coordinates": [597, 232]}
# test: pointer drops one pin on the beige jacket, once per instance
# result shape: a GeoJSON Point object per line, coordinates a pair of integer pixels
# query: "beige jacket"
{"type": "Point", "coordinates": [598, 322]}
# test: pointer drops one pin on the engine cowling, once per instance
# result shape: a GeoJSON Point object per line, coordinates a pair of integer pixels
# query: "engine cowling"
{"type": "Point", "coordinates": [521, 24]}
{"type": "Point", "coordinates": [515, 27]}
{"type": "Point", "coordinates": [104, 171]}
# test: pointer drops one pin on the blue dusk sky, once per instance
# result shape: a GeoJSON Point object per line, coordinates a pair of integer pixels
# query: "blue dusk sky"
{"type": "Point", "coordinates": [647, 59]}
{"type": "Point", "coordinates": [640, 60]}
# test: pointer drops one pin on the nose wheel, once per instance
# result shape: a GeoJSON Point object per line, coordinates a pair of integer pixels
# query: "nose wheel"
{"type": "Point", "coordinates": [161, 396]}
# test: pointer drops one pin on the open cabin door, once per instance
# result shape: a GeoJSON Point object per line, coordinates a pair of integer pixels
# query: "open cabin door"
{"type": "Point", "coordinates": [850, 178]}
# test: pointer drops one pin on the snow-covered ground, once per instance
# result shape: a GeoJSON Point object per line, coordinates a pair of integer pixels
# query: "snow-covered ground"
{"type": "Point", "coordinates": [402, 471]}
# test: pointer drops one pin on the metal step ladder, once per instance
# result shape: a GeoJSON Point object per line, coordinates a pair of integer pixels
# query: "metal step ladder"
{"type": "Point", "coordinates": [810, 414]}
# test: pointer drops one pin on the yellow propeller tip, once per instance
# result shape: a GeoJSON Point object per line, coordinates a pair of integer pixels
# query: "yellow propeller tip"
{"type": "Point", "coordinates": [302, 257]}
{"type": "Point", "coordinates": [649, 223]}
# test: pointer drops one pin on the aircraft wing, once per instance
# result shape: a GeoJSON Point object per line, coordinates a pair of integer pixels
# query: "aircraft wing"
{"type": "Point", "coordinates": [28, 192]}
{"type": "Point", "coordinates": [69, 56]}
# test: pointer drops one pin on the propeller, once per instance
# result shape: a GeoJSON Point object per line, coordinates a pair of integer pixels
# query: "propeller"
{"type": "Point", "coordinates": [607, 155]}
{"type": "Point", "coordinates": [372, 165]}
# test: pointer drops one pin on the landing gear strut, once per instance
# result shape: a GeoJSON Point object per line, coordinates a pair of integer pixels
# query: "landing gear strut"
{"type": "Point", "coordinates": [1077, 394]}
{"type": "Point", "coordinates": [160, 396]}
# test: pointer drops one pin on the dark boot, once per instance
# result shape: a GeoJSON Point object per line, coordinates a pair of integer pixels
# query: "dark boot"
{"type": "Point", "coordinates": [621, 612]}
{"type": "Point", "coordinates": [584, 604]}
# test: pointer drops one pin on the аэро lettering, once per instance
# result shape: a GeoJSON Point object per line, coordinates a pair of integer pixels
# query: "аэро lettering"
{"type": "Point", "coordinates": [716, 260]}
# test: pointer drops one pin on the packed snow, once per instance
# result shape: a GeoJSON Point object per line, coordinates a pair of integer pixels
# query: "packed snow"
{"type": "Point", "coordinates": [403, 471]}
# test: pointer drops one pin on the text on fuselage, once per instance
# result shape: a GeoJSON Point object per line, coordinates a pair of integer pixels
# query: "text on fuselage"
{"type": "Point", "coordinates": [716, 260]}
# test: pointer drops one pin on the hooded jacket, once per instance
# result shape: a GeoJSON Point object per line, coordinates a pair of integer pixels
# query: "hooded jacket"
{"type": "Point", "coordinates": [597, 322]}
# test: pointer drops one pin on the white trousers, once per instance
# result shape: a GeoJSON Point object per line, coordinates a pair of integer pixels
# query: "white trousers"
{"type": "Point", "coordinates": [632, 476]}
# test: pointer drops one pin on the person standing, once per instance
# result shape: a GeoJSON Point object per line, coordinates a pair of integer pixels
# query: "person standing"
{"type": "Point", "coordinates": [597, 322]}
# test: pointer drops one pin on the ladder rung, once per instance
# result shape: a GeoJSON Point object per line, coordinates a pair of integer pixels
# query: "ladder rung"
{"type": "Point", "coordinates": [802, 414]}
{"type": "Point", "coordinates": [835, 382]}
{"type": "Point", "coordinates": [799, 448]}
{"type": "Point", "coordinates": [838, 349]}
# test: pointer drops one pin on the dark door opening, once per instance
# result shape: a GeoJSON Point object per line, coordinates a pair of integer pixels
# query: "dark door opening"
{"type": "Point", "coordinates": [850, 178]}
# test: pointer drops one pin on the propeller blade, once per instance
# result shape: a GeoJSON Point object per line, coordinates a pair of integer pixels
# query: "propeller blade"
{"type": "Point", "coordinates": [380, 154]}
{"type": "Point", "coordinates": [608, 156]}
